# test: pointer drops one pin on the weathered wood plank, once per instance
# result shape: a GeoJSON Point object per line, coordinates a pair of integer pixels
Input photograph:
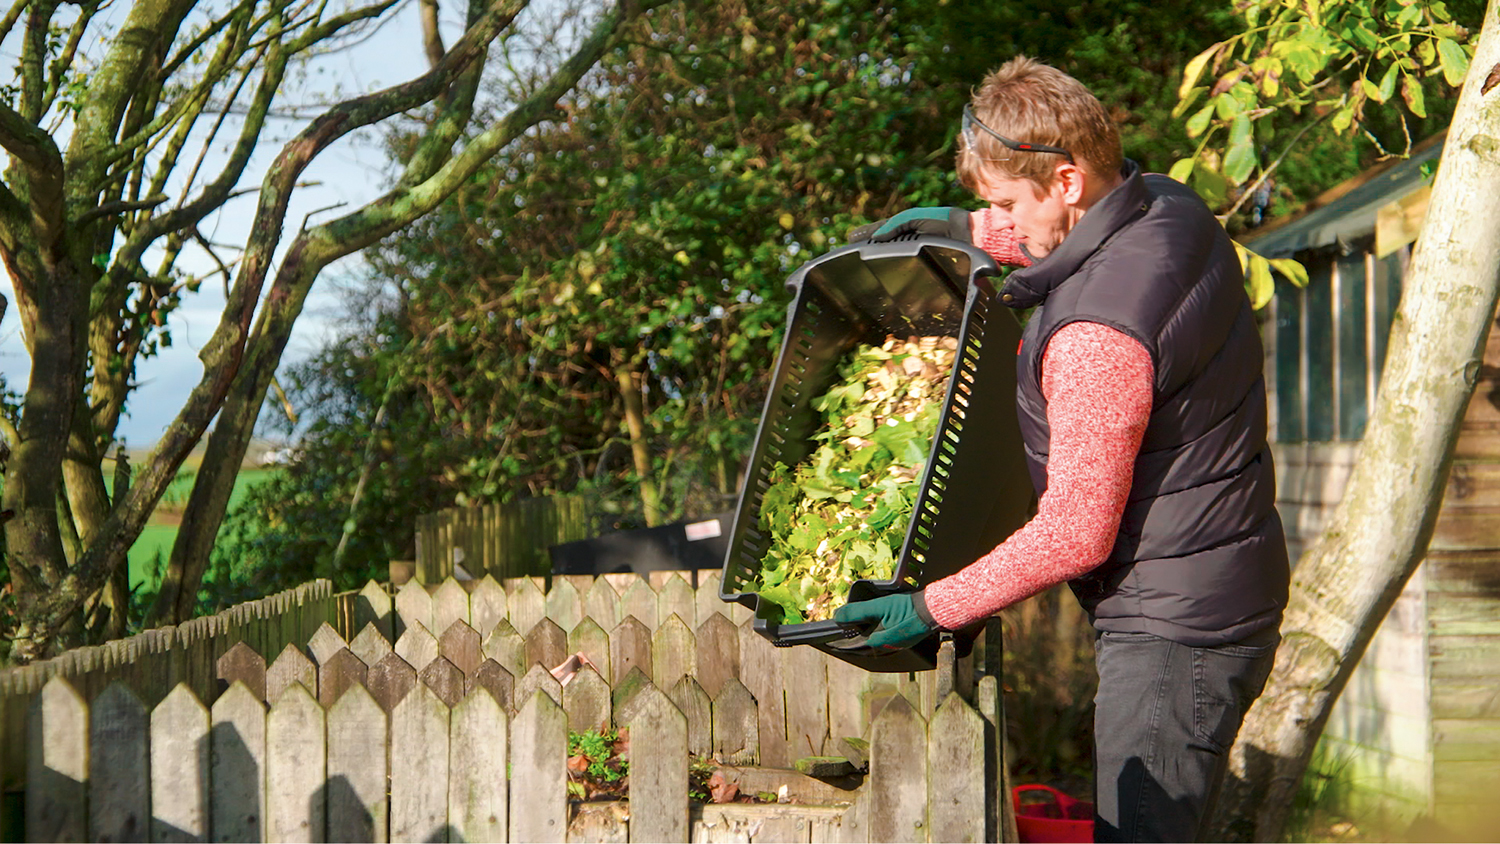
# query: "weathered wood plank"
{"type": "Point", "coordinates": [296, 759]}
{"type": "Point", "coordinates": [1000, 822]}
{"type": "Point", "coordinates": [242, 664]}
{"type": "Point", "coordinates": [563, 604]}
{"type": "Point", "coordinates": [898, 774]}
{"type": "Point", "coordinates": [444, 679]}
{"type": "Point", "coordinates": [419, 775]}
{"type": "Point", "coordinates": [674, 652]}
{"type": "Point", "coordinates": [371, 645]}
{"type": "Point", "coordinates": [718, 658]}
{"type": "Point", "coordinates": [237, 765]}
{"type": "Point", "coordinates": [736, 724]}
{"type": "Point", "coordinates": [538, 777]}
{"type": "Point", "coordinates": [625, 693]}
{"type": "Point", "coordinates": [620, 581]}
{"type": "Point", "coordinates": [57, 764]}
{"type": "Point", "coordinates": [179, 767]}
{"type": "Point", "coordinates": [507, 647]}
{"type": "Point", "coordinates": [539, 679]}
{"type": "Point", "coordinates": [340, 672]}
{"type": "Point", "coordinates": [589, 639]}
{"type": "Point", "coordinates": [602, 603]}
{"type": "Point", "coordinates": [600, 822]}
{"type": "Point", "coordinates": [1470, 699]}
{"type": "Point", "coordinates": [373, 606]}
{"type": "Point", "coordinates": [846, 700]}
{"type": "Point", "coordinates": [390, 681]}
{"type": "Point", "coordinates": [1466, 615]}
{"type": "Point", "coordinates": [417, 646]}
{"type": "Point", "coordinates": [325, 643]}
{"type": "Point", "coordinates": [629, 647]}
{"type": "Point", "coordinates": [119, 776]}
{"type": "Point", "coordinates": [413, 606]}
{"type": "Point", "coordinates": [956, 773]}
{"type": "Point", "coordinates": [806, 677]}
{"type": "Point", "coordinates": [586, 700]}
{"type": "Point", "coordinates": [478, 791]}
{"type": "Point", "coordinates": [450, 603]}
{"type": "Point", "coordinates": [487, 605]}
{"type": "Point", "coordinates": [527, 605]}
{"type": "Point", "coordinates": [460, 645]}
{"type": "Point", "coordinates": [1457, 740]}
{"type": "Point", "coordinates": [676, 596]}
{"type": "Point", "coordinates": [640, 600]}
{"type": "Point", "coordinates": [546, 645]}
{"type": "Point", "coordinates": [706, 596]}
{"type": "Point", "coordinates": [760, 670]}
{"type": "Point", "coordinates": [356, 802]}
{"type": "Point", "coordinates": [291, 666]}
{"type": "Point", "coordinates": [658, 770]}
{"type": "Point", "coordinates": [854, 824]}
{"type": "Point", "coordinates": [734, 822]}
{"type": "Point", "coordinates": [697, 708]}
{"type": "Point", "coordinates": [1464, 657]}
{"type": "Point", "coordinates": [493, 678]}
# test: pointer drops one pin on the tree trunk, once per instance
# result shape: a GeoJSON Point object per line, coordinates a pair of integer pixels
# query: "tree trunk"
{"type": "Point", "coordinates": [639, 449]}
{"type": "Point", "coordinates": [1350, 577]}
{"type": "Point", "coordinates": [33, 474]}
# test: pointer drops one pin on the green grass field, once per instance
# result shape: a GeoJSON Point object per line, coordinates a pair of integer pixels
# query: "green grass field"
{"type": "Point", "coordinates": [155, 542]}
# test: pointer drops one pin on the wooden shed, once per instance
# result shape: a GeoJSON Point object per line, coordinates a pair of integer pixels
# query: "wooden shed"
{"type": "Point", "coordinates": [1418, 727]}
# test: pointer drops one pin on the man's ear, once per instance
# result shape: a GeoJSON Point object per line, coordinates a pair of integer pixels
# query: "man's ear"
{"type": "Point", "coordinates": [1072, 180]}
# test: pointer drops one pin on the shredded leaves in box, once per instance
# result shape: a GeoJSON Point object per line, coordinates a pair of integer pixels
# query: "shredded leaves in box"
{"type": "Point", "coordinates": [841, 515]}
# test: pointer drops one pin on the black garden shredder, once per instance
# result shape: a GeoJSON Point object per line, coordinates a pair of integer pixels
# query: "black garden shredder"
{"type": "Point", "coordinates": [975, 489]}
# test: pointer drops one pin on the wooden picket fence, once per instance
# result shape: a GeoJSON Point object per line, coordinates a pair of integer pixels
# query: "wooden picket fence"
{"type": "Point", "coordinates": [661, 625]}
{"type": "Point", "coordinates": [501, 540]}
{"type": "Point", "coordinates": [154, 662]}
{"type": "Point", "coordinates": [435, 738]}
{"type": "Point", "coordinates": [740, 699]}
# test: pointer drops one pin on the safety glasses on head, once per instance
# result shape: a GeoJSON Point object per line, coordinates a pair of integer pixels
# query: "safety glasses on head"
{"type": "Point", "coordinates": [971, 138]}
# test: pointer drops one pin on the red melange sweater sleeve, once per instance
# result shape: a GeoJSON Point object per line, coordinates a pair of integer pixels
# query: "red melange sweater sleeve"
{"type": "Point", "coordinates": [999, 242]}
{"type": "Point", "coordinates": [1098, 384]}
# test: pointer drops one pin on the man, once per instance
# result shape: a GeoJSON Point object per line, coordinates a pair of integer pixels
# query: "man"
{"type": "Point", "coordinates": [1143, 410]}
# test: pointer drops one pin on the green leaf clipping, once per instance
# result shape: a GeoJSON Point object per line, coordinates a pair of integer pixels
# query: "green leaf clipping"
{"type": "Point", "coordinates": [841, 514]}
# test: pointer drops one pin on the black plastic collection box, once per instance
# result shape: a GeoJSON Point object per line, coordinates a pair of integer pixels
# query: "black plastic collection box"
{"type": "Point", "coordinates": [975, 488]}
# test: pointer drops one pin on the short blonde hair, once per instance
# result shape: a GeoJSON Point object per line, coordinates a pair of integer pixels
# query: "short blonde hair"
{"type": "Point", "coordinates": [1031, 102]}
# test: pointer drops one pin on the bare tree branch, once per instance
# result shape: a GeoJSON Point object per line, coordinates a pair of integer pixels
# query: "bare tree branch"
{"type": "Point", "coordinates": [11, 16]}
{"type": "Point", "coordinates": [432, 38]}
{"type": "Point", "coordinates": [64, 61]}
{"type": "Point", "coordinates": [109, 209]}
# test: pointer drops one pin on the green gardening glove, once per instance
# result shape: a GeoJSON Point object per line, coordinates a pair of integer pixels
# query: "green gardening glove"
{"type": "Point", "coordinates": [943, 222]}
{"type": "Point", "coordinates": [902, 619]}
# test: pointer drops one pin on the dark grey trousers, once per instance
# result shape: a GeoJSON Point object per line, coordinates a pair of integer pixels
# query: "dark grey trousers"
{"type": "Point", "coordinates": [1164, 719]}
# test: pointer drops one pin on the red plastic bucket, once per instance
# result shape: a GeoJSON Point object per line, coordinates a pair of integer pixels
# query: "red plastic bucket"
{"type": "Point", "coordinates": [1054, 818]}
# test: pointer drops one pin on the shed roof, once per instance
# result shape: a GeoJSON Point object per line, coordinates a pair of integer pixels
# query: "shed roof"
{"type": "Point", "coordinates": [1347, 211]}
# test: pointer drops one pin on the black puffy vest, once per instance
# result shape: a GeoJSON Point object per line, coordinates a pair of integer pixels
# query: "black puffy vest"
{"type": "Point", "coordinates": [1200, 557]}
